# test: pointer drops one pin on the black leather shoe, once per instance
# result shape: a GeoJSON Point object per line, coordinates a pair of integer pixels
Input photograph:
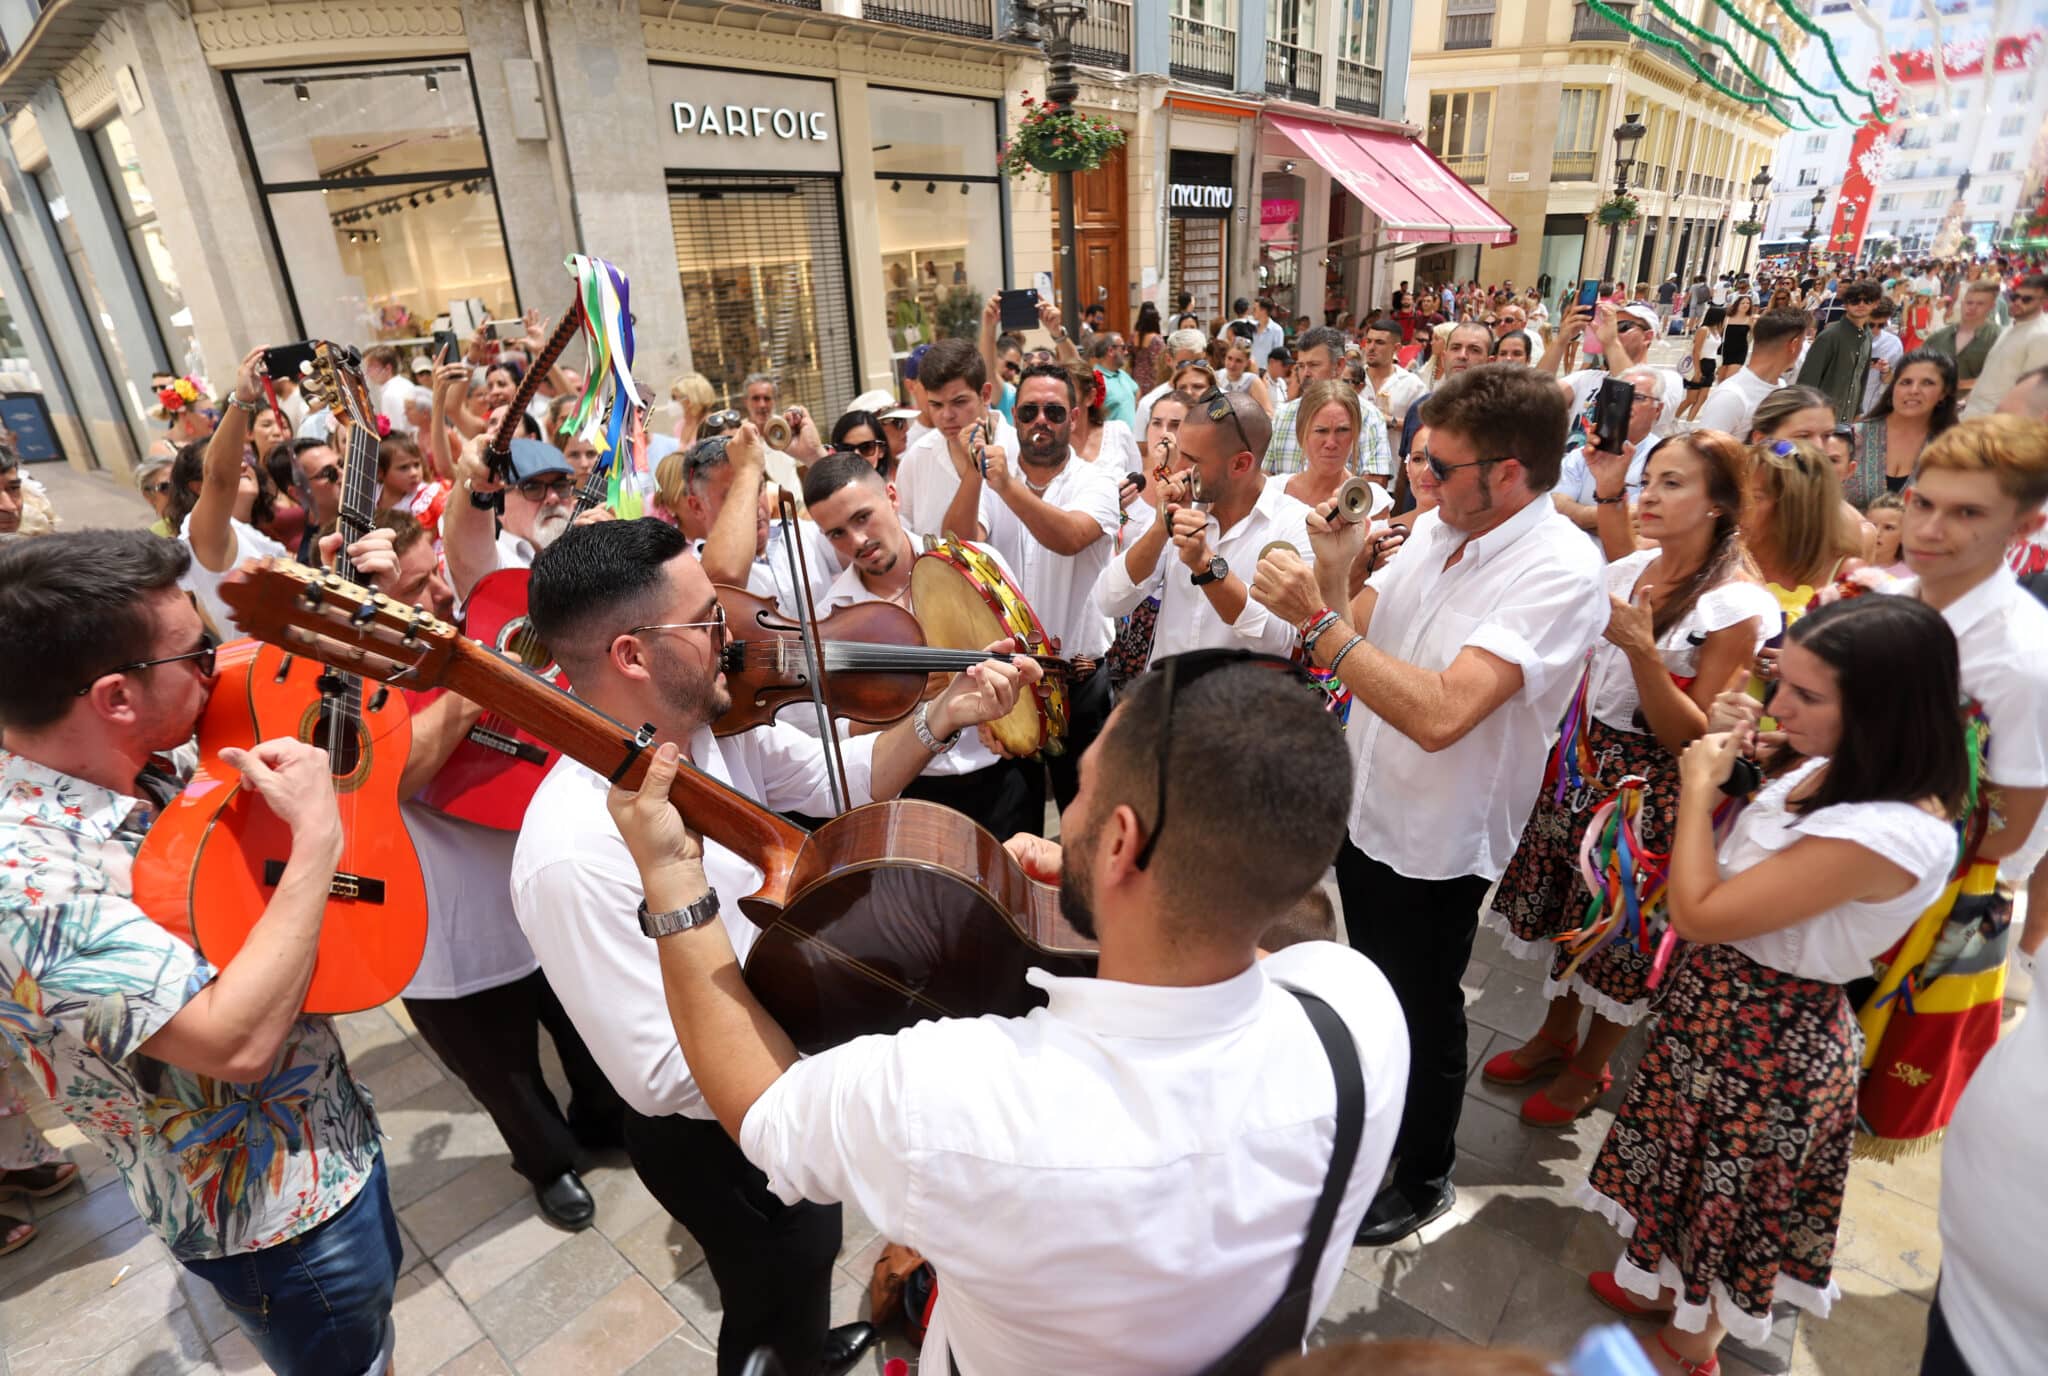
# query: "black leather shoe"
{"type": "Point", "coordinates": [566, 1203]}
{"type": "Point", "coordinates": [844, 1346]}
{"type": "Point", "coordinates": [1395, 1214]}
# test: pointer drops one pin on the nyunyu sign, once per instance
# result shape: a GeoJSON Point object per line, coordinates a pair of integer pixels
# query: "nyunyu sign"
{"type": "Point", "coordinates": [1199, 186]}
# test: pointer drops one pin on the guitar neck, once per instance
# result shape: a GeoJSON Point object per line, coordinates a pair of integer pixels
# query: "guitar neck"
{"type": "Point", "coordinates": [358, 514]}
{"type": "Point", "coordinates": [595, 488]}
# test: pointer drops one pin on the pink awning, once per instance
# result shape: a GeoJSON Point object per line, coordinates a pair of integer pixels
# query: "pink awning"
{"type": "Point", "coordinates": [1417, 199]}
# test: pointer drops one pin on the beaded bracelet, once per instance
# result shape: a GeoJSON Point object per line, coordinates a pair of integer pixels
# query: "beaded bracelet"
{"type": "Point", "coordinates": [1349, 646]}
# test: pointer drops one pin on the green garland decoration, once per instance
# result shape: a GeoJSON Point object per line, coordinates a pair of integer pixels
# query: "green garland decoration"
{"type": "Point", "coordinates": [1677, 49]}
{"type": "Point", "coordinates": [1705, 37]}
{"type": "Point", "coordinates": [1814, 30]}
{"type": "Point", "coordinates": [1742, 21]}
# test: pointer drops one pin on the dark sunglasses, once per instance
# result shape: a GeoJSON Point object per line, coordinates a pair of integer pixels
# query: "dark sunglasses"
{"type": "Point", "coordinates": [1054, 413]}
{"type": "Point", "coordinates": [538, 489]}
{"type": "Point", "coordinates": [867, 449]}
{"type": "Point", "coordinates": [1180, 671]}
{"type": "Point", "coordinates": [1444, 470]}
{"type": "Point", "coordinates": [329, 474]}
{"type": "Point", "coordinates": [719, 421]}
{"type": "Point", "coordinates": [1218, 402]}
{"type": "Point", "coordinates": [203, 655]}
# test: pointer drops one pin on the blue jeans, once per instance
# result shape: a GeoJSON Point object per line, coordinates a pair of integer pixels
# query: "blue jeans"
{"type": "Point", "coordinates": [319, 1304]}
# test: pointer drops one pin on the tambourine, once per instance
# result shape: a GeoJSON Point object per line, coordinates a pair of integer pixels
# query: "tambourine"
{"type": "Point", "coordinates": [965, 601]}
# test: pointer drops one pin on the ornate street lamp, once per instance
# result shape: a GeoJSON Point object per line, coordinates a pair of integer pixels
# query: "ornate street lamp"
{"type": "Point", "coordinates": [1626, 136]}
{"type": "Point", "coordinates": [1820, 202]}
{"type": "Point", "coordinates": [1759, 187]}
{"type": "Point", "coordinates": [1057, 20]}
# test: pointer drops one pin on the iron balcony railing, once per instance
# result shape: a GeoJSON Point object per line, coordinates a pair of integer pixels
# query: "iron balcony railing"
{"type": "Point", "coordinates": [1103, 39]}
{"type": "Point", "coordinates": [964, 18]}
{"type": "Point", "coordinates": [1572, 167]}
{"type": "Point", "coordinates": [1469, 166]}
{"type": "Point", "coordinates": [1205, 53]}
{"type": "Point", "coordinates": [1293, 72]}
{"type": "Point", "coordinates": [1358, 87]}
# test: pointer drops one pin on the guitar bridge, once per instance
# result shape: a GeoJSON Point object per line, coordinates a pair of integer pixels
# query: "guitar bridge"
{"type": "Point", "coordinates": [360, 887]}
{"type": "Point", "coordinates": [510, 746]}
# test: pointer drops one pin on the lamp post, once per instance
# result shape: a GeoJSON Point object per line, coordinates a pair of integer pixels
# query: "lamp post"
{"type": "Point", "coordinates": [1626, 136]}
{"type": "Point", "coordinates": [1820, 201]}
{"type": "Point", "coordinates": [1059, 18]}
{"type": "Point", "coordinates": [1759, 187]}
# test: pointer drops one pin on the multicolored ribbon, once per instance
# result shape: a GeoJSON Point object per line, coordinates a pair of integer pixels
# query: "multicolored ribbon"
{"type": "Point", "coordinates": [1626, 878]}
{"type": "Point", "coordinates": [609, 413]}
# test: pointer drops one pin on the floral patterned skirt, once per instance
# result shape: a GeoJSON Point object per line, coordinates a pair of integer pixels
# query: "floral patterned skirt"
{"type": "Point", "coordinates": [1542, 893]}
{"type": "Point", "coordinates": [1725, 1167]}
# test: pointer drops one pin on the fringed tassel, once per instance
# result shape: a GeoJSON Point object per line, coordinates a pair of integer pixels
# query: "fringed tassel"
{"type": "Point", "coordinates": [1891, 1149]}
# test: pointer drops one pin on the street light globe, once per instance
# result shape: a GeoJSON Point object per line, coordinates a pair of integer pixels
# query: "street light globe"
{"type": "Point", "coordinates": [1061, 16]}
{"type": "Point", "coordinates": [1820, 200]}
{"type": "Point", "coordinates": [1628, 134]}
{"type": "Point", "coordinates": [1761, 183]}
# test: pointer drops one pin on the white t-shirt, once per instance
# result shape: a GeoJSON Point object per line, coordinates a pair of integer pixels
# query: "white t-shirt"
{"type": "Point", "coordinates": [1118, 451]}
{"type": "Point", "coordinates": [473, 938]}
{"type": "Point", "coordinates": [1612, 687]}
{"type": "Point", "coordinates": [1838, 945]}
{"type": "Point", "coordinates": [1061, 587]}
{"type": "Point", "coordinates": [391, 402]}
{"type": "Point", "coordinates": [1887, 348]}
{"type": "Point", "coordinates": [245, 542]}
{"type": "Point", "coordinates": [926, 481]}
{"type": "Point", "coordinates": [1116, 1182]}
{"type": "Point", "coordinates": [1733, 402]}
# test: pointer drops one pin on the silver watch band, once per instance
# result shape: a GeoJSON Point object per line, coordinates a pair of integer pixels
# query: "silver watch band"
{"type": "Point", "coordinates": [679, 919]}
{"type": "Point", "coordinates": [923, 728]}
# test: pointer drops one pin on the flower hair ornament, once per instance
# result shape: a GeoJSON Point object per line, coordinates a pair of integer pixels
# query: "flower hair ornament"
{"type": "Point", "coordinates": [1101, 393]}
{"type": "Point", "coordinates": [179, 396]}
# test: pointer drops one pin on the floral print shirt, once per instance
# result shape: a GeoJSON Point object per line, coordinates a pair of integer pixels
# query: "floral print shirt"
{"type": "Point", "coordinates": [86, 978]}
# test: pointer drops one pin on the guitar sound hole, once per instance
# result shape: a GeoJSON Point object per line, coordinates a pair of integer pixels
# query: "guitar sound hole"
{"type": "Point", "coordinates": [344, 746]}
{"type": "Point", "coordinates": [517, 641]}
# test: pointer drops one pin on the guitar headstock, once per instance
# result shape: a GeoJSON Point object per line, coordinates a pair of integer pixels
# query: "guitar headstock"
{"type": "Point", "coordinates": [334, 379]}
{"type": "Point", "coordinates": [322, 615]}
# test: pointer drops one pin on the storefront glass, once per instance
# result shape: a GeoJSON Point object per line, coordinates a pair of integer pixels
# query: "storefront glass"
{"type": "Point", "coordinates": [379, 190]}
{"type": "Point", "coordinates": [89, 292]}
{"type": "Point", "coordinates": [1201, 194]}
{"type": "Point", "coordinates": [137, 208]}
{"type": "Point", "coordinates": [938, 203]}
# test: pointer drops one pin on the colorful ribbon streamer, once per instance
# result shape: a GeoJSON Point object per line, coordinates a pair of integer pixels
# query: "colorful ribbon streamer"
{"type": "Point", "coordinates": [609, 413]}
{"type": "Point", "coordinates": [1626, 878]}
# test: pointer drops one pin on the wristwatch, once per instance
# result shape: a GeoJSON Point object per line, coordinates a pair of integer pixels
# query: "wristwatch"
{"type": "Point", "coordinates": [923, 728]}
{"type": "Point", "coordinates": [681, 919]}
{"type": "Point", "coordinates": [1215, 573]}
{"type": "Point", "coordinates": [235, 400]}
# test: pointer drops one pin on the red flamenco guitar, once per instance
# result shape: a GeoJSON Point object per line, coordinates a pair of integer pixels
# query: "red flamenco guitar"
{"type": "Point", "coordinates": [212, 861]}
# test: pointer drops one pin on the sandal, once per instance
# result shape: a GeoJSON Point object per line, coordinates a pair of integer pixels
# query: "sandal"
{"type": "Point", "coordinates": [7, 1226]}
{"type": "Point", "coordinates": [1539, 1110]}
{"type": "Point", "coordinates": [1690, 1368]}
{"type": "Point", "coordinates": [1608, 1291]}
{"type": "Point", "coordinates": [1504, 1069]}
{"type": "Point", "coordinates": [38, 1182]}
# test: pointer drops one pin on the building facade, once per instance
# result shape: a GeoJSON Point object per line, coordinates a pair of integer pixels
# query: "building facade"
{"type": "Point", "coordinates": [1522, 101]}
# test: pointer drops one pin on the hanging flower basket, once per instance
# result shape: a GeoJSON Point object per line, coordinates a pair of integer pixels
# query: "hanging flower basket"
{"type": "Point", "coordinates": [1749, 229]}
{"type": "Point", "coordinates": [1619, 210]}
{"type": "Point", "coordinates": [1051, 139]}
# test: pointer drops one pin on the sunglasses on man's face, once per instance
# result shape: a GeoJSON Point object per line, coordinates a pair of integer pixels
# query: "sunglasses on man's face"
{"type": "Point", "coordinates": [1054, 413]}
{"type": "Point", "coordinates": [329, 474]}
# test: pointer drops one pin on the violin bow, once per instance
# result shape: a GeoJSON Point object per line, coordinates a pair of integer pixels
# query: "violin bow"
{"type": "Point", "coordinates": [814, 649]}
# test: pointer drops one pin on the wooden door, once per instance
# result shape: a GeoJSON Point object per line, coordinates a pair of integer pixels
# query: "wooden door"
{"type": "Point", "coordinates": [1101, 199]}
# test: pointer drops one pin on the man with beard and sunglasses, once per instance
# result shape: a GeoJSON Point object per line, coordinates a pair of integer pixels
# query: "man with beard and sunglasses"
{"type": "Point", "coordinates": [631, 617]}
{"type": "Point", "coordinates": [532, 510]}
{"type": "Point", "coordinates": [1054, 520]}
{"type": "Point", "coordinates": [1128, 1178]}
{"type": "Point", "coordinates": [1462, 652]}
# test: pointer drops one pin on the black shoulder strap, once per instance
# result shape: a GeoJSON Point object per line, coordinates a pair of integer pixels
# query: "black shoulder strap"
{"type": "Point", "coordinates": [1342, 1050]}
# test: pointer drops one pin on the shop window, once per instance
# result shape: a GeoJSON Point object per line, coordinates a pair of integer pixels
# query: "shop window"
{"type": "Point", "coordinates": [938, 205]}
{"type": "Point", "coordinates": [379, 190]}
{"type": "Point", "coordinates": [89, 289]}
{"type": "Point", "coordinates": [137, 208]}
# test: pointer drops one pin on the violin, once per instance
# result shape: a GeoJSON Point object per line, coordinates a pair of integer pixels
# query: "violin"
{"type": "Point", "coordinates": [877, 665]}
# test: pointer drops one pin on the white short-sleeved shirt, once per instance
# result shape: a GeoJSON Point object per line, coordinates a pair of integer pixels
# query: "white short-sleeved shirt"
{"type": "Point", "coordinates": [1401, 391]}
{"type": "Point", "coordinates": [473, 938]}
{"type": "Point", "coordinates": [1733, 402]}
{"type": "Point", "coordinates": [245, 542]}
{"type": "Point", "coordinates": [1187, 620]}
{"type": "Point", "coordinates": [1061, 587]}
{"type": "Point", "coordinates": [1118, 452]}
{"type": "Point", "coordinates": [1612, 691]}
{"type": "Point", "coordinates": [1838, 945]}
{"type": "Point", "coordinates": [1532, 592]}
{"type": "Point", "coordinates": [576, 892]}
{"type": "Point", "coordinates": [1118, 1181]}
{"type": "Point", "coordinates": [926, 481]}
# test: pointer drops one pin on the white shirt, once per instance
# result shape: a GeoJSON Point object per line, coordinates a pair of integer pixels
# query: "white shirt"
{"type": "Point", "coordinates": [1118, 451]}
{"type": "Point", "coordinates": [2020, 349]}
{"type": "Point", "coordinates": [1838, 945]}
{"type": "Point", "coordinates": [1733, 402]}
{"type": "Point", "coordinates": [1401, 390]}
{"type": "Point", "coordinates": [926, 481]}
{"type": "Point", "coordinates": [473, 939]}
{"type": "Point", "coordinates": [1530, 591]}
{"type": "Point", "coordinates": [391, 402]}
{"type": "Point", "coordinates": [1268, 337]}
{"type": "Point", "coordinates": [1117, 1182]}
{"type": "Point", "coordinates": [1612, 684]}
{"type": "Point", "coordinates": [1885, 347]}
{"type": "Point", "coordinates": [576, 892]}
{"type": "Point", "coordinates": [1061, 587]}
{"type": "Point", "coordinates": [769, 576]}
{"type": "Point", "coordinates": [1575, 479]}
{"type": "Point", "coordinates": [1585, 385]}
{"type": "Point", "coordinates": [1187, 621]}
{"type": "Point", "coordinates": [1994, 1213]}
{"type": "Point", "coordinates": [244, 542]}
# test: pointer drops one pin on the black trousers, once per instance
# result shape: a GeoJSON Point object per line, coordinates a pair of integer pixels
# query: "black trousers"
{"type": "Point", "coordinates": [491, 1040]}
{"type": "Point", "coordinates": [1419, 933]}
{"type": "Point", "coordinates": [772, 1261]}
{"type": "Point", "coordinates": [1088, 709]}
{"type": "Point", "coordinates": [1006, 798]}
{"type": "Point", "coordinates": [1941, 1357]}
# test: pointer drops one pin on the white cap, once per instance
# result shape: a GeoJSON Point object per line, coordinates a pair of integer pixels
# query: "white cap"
{"type": "Point", "coordinates": [882, 405]}
{"type": "Point", "coordinates": [1646, 314]}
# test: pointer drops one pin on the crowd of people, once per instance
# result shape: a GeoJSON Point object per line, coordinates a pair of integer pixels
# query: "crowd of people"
{"type": "Point", "coordinates": [1733, 720]}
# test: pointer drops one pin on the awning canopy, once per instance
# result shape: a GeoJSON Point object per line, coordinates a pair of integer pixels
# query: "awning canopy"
{"type": "Point", "coordinates": [1417, 199]}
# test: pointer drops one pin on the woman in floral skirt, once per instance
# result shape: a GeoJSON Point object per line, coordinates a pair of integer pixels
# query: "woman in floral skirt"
{"type": "Point", "coordinates": [1725, 1167]}
{"type": "Point", "coordinates": [1687, 619]}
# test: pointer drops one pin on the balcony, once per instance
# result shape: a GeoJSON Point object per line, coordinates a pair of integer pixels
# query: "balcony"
{"type": "Point", "coordinates": [1572, 167]}
{"type": "Point", "coordinates": [1293, 73]}
{"type": "Point", "coordinates": [1468, 31]}
{"type": "Point", "coordinates": [1590, 26]}
{"type": "Point", "coordinates": [1103, 39]}
{"type": "Point", "coordinates": [799, 4]}
{"type": "Point", "coordinates": [1470, 167]}
{"type": "Point", "coordinates": [964, 18]}
{"type": "Point", "coordinates": [1204, 53]}
{"type": "Point", "coordinates": [1358, 87]}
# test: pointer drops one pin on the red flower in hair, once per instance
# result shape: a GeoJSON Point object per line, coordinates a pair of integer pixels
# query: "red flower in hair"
{"type": "Point", "coordinates": [383, 427]}
{"type": "Point", "coordinates": [1101, 392]}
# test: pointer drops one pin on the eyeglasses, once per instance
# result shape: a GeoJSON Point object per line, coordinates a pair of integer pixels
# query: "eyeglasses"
{"type": "Point", "coordinates": [716, 624]}
{"type": "Point", "coordinates": [1218, 402]}
{"type": "Point", "coordinates": [156, 489]}
{"type": "Point", "coordinates": [540, 489]}
{"type": "Point", "coordinates": [720, 420]}
{"type": "Point", "coordinates": [1624, 326]}
{"type": "Point", "coordinates": [1443, 470]}
{"type": "Point", "coordinates": [329, 474]}
{"type": "Point", "coordinates": [1054, 413]}
{"type": "Point", "coordinates": [867, 449]}
{"type": "Point", "coordinates": [1181, 671]}
{"type": "Point", "coordinates": [203, 655]}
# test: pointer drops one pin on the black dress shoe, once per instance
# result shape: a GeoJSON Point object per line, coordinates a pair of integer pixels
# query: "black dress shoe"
{"type": "Point", "coordinates": [1395, 1214]}
{"type": "Point", "coordinates": [566, 1203]}
{"type": "Point", "coordinates": [844, 1346]}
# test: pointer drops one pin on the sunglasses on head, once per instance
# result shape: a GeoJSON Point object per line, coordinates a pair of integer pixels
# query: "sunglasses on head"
{"type": "Point", "coordinates": [1053, 411]}
{"type": "Point", "coordinates": [720, 420]}
{"type": "Point", "coordinates": [1786, 449]}
{"type": "Point", "coordinates": [1219, 408]}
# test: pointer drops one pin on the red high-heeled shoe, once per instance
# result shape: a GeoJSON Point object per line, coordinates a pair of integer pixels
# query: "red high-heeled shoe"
{"type": "Point", "coordinates": [1608, 1291]}
{"type": "Point", "coordinates": [1504, 1069]}
{"type": "Point", "coordinates": [1539, 1110]}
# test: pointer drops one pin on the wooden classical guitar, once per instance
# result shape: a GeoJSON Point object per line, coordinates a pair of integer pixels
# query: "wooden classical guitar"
{"type": "Point", "coordinates": [212, 861]}
{"type": "Point", "coordinates": [887, 915]}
